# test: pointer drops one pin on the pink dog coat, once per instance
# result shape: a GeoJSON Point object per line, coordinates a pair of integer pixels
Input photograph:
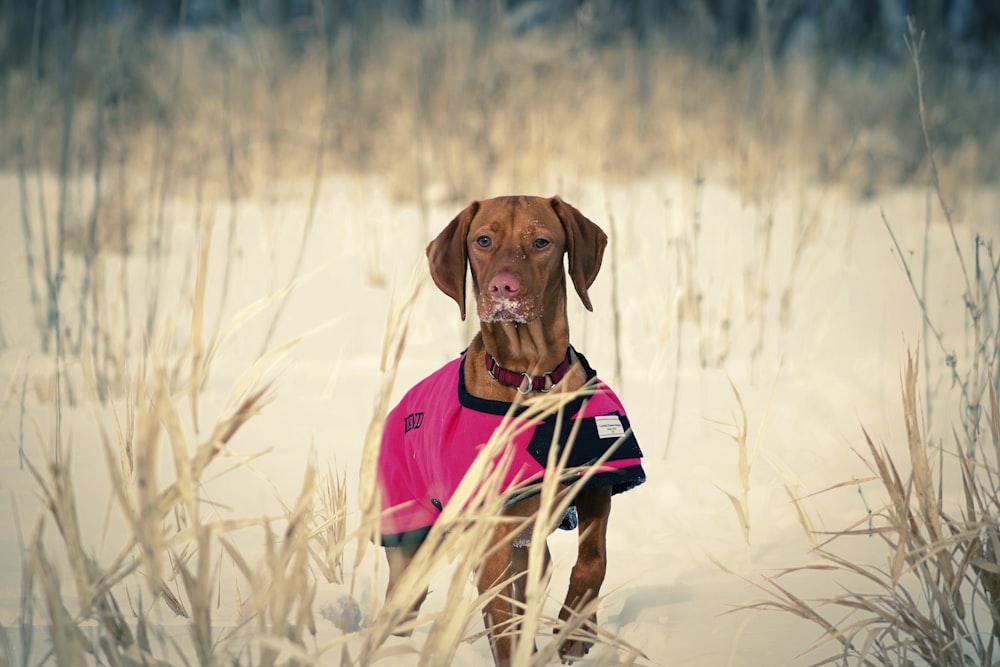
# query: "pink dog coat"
{"type": "Point", "coordinates": [434, 434]}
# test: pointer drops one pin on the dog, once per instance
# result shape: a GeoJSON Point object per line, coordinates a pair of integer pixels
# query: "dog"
{"type": "Point", "coordinates": [514, 249]}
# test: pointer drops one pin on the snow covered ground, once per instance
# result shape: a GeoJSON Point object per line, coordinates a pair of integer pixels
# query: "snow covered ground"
{"type": "Point", "coordinates": [810, 373]}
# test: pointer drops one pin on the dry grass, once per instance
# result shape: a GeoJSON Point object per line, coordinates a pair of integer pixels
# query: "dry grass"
{"type": "Point", "coordinates": [745, 459]}
{"type": "Point", "coordinates": [936, 599]}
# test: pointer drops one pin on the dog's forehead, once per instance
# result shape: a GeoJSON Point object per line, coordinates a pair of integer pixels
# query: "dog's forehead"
{"type": "Point", "coordinates": [523, 213]}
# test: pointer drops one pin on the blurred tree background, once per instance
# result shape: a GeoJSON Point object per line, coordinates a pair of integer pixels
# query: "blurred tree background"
{"type": "Point", "coordinates": [409, 89]}
{"type": "Point", "coordinates": [962, 31]}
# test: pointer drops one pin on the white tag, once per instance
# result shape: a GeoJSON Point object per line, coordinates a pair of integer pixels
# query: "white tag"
{"type": "Point", "coordinates": [609, 426]}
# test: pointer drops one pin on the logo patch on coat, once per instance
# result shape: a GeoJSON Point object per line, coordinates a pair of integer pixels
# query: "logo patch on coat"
{"type": "Point", "coordinates": [413, 421]}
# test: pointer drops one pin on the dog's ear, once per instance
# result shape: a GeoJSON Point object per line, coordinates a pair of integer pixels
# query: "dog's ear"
{"type": "Point", "coordinates": [448, 255]}
{"type": "Point", "coordinates": [585, 243]}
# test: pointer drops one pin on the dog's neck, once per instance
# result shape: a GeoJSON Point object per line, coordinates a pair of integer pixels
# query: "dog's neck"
{"type": "Point", "coordinates": [535, 347]}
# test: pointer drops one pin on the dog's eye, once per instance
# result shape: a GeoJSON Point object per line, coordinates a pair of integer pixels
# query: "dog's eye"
{"type": "Point", "coordinates": [484, 241]}
{"type": "Point", "coordinates": [538, 244]}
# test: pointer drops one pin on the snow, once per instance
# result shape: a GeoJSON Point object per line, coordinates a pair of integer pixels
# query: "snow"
{"type": "Point", "coordinates": [811, 374]}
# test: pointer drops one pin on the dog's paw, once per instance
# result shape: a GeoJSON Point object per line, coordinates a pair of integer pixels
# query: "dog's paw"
{"type": "Point", "coordinates": [573, 650]}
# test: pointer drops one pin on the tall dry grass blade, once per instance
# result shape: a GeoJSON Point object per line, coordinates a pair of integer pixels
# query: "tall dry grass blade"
{"type": "Point", "coordinates": [20, 422]}
{"type": "Point", "coordinates": [785, 600]}
{"type": "Point", "coordinates": [197, 339]}
{"type": "Point", "coordinates": [184, 478]}
{"type": "Point", "coordinates": [26, 607]}
{"type": "Point", "coordinates": [838, 485]}
{"type": "Point", "coordinates": [331, 530]}
{"type": "Point", "coordinates": [923, 482]}
{"type": "Point", "coordinates": [327, 537]}
{"type": "Point", "coordinates": [891, 481]}
{"type": "Point", "coordinates": [252, 376]}
{"type": "Point", "coordinates": [741, 513]}
{"type": "Point", "coordinates": [198, 592]}
{"type": "Point", "coordinates": [68, 643]}
{"type": "Point", "coordinates": [616, 326]}
{"type": "Point", "coordinates": [226, 429]}
{"type": "Point", "coordinates": [804, 521]}
{"type": "Point", "coordinates": [994, 418]}
{"type": "Point", "coordinates": [741, 504]}
{"type": "Point", "coordinates": [150, 508]}
{"type": "Point", "coordinates": [122, 488]}
{"type": "Point", "coordinates": [60, 497]}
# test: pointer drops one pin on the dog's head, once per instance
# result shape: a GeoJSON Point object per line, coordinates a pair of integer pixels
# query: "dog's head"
{"type": "Point", "coordinates": [514, 247]}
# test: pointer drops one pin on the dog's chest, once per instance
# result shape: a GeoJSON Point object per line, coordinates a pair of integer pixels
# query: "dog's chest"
{"type": "Point", "coordinates": [441, 439]}
{"type": "Point", "coordinates": [437, 431]}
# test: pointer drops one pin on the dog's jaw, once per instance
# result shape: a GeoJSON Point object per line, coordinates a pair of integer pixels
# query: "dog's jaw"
{"type": "Point", "coordinates": [518, 310]}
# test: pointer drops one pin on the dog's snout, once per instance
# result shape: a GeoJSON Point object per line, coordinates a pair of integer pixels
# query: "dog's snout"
{"type": "Point", "coordinates": [505, 285]}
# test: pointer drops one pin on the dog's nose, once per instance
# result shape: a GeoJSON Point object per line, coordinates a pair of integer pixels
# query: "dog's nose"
{"type": "Point", "coordinates": [505, 285]}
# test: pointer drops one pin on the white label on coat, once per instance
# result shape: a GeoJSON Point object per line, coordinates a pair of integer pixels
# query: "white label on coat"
{"type": "Point", "coordinates": [609, 426]}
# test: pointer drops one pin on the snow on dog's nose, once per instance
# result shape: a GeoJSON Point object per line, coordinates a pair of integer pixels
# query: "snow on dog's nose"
{"type": "Point", "coordinates": [504, 285]}
{"type": "Point", "coordinates": [503, 301]}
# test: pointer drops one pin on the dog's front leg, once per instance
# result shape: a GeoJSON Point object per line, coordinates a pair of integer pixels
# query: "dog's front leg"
{"type": "Point", "coordinates": [505, 566]}
{"type": "Point", "coordinates": [399, 559]}
{"type": "Point", "coordinates": [499, 614]}
{"type": "Point", "coordinates": [594, 509]}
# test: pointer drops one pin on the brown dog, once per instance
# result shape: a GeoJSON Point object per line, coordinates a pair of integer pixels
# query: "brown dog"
{"type": "Point", "coordinates": [514, 247]}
